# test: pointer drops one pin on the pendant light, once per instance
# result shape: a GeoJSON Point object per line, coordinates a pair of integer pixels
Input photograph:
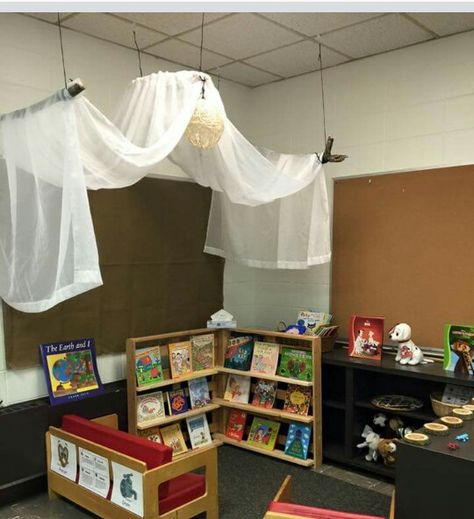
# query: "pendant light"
{"type": "Point", "coordinates": [327, 155]}
{"type": "Point", "coordinates": [207, 123]}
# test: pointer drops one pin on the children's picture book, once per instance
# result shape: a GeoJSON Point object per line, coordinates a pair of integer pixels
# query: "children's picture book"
{"type": "Point", "coordinates": [238, 353]}
{"type": "Point", "coordinates": [263, 433]}
{"type": "Point", "coordinates": [198, 430]}
{"type": "Point", "coordinates": [313, 320]}
{"type": "Point", "coordinates": [265, 393]}
{"type": "Point", "coordinates": [297, 400]}
{"type": "Point", "coordinates": [173, 437]}
{"type": "Point", "coordinates": [459, 348]}
{"type": "Point", "coordinates": [236, 424]}
{"type": "Point", "coordinates": [148, 367]}
{"type": "Point", "coordinates": [296, 363]}
{"type": "Point", "coordinates": [297, 440]}
{"type": "Point", "coordinates": [153, 434]}
{"type": "Point", "coordinates": [265, 357]}
{"type": "Point", "coordinates": [180, 358]}
{"type": "Point", "coordinates": [177, 401]}
{"type": "Point", "coordinates": [70, 368]}
{"type": "Point", "coordinates": [202, 347]}
{"type": "Point", "coordinates": [199, 392]}
{"type": "Point", "coordinates": [237, 389]}
{"type": "Point", "coordinates": [150, 406]}
{"type": "Point", "coordinates": [366, 337]}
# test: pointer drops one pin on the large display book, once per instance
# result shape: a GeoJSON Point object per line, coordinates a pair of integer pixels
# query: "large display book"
{"type": "Point", "coordinates": [255, 389]}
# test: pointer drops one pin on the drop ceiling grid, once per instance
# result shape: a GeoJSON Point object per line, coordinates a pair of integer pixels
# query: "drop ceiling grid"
{"type": "Point", "coordinates": [258, 48]}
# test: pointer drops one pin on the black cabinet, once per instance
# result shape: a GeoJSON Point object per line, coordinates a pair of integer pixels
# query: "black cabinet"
{"type": "Point", "coordinates": [349, 384]}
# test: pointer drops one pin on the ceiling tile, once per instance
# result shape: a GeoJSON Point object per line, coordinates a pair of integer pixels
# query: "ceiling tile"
{"type": "Point", "coordinates": [50, 17]}
{"type": "Point", "coordinates": [445, 23]}
{"type": "Point", "coordinates": [171, 23]}
{"type": "Point", "coordinates": [244, 74]}
{"type": "Point", "coordinates": [242, 35]}
{"type": "Point", "coordinates": [112, 29]}
{"type": "Point", "coordinates": [378, 35]}
{"type": "Point", "coordinates": [312, 24]}
{"type": "Point", "coordinates": [296, 59]}
{"type": "Point", "coordinates": [187, 54]}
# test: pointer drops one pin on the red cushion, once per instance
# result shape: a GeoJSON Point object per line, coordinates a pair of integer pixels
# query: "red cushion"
{"type": "Point", "coordinates": [153, 454]}
{"type": "Point", "coordinates": [182, 490]}
{"type": "Point", "coordinates": [314, 513]}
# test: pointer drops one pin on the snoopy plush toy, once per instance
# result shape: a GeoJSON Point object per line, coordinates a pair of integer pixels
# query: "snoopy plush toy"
{"type": "Point", "coordinates": [408, 351]}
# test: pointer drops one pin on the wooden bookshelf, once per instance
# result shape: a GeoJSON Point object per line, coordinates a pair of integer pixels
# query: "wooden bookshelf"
{"type": "Point", "coordinates": [276, 378]}
{"type": "Point", "coordinates": [276, 453]}
{"type": "Point", "coordinates": [184, 378]}
{"type": "Point", "coordinates": [142, 426]}
{"type": "Point", "coordinates": [274, 413]}
{"type": "Point", "coordinates": [219, 409]}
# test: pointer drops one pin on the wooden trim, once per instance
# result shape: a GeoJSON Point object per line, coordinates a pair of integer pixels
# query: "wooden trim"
{"type": "Point", "coordinates": [171, 335]}
{"type": "Point", "coordinates": [142, 426]}
{"type": "Point", "coordinates": [317, 404]}
{"type": "Point", "coordinates": [171, 381]}
{"type": "Point", "coordinates": [392, 506]}
{"type": "Point", "coordinates": [284, 492]}
{"type": "Point", "coordinates": [277, 378]}
{"type": "Point", "coordinates": [269, 333]}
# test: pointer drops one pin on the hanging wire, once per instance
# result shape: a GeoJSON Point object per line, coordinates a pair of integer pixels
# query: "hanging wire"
{"type": "Point", "coordinates": [320, 59]}
{"type": "Point", "coordinates": [202, 43]}
{"type": "Point", "coordinates": [138, 51]}
{"type": "Point", "coordinates": [62, 50]}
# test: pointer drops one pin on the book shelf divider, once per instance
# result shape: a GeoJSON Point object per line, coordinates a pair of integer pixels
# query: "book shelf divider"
{"type": "Point", "coordinates": [219, 409]}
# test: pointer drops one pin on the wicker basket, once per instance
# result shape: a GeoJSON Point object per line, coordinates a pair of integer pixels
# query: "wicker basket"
{"type": "Point", "coordinates": [441, 408]}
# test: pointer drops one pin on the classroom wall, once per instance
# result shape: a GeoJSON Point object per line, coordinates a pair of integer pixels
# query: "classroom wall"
{"type": "Point", "coordinates": [408, 109]}
{"type": "Point", "coordinates": [30, 69]}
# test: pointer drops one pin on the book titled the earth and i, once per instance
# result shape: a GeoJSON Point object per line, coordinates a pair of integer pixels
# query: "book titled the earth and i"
{"type": "Point", "coordinates": [70, 369]}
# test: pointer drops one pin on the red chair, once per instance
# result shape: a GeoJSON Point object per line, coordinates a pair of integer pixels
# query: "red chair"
{"type": "Point", "coordinates": [170, 489]}
{"type": "Point", "coordinates": [282, 508]}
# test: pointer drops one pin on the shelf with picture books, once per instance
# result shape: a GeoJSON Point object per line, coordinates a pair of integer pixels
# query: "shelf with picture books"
{"type": "Point", "coordinates": [270, 393]}
{"type": "Point", "coordinates": [170, 387]}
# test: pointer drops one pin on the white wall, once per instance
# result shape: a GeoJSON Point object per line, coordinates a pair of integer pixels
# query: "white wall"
{"type": "Point", "coordinates": [30, 69]}
{"type": "Point", "coordinates": [404, 110]}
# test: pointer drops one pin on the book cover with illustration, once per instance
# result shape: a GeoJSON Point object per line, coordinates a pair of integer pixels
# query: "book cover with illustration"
{"type": "Point", "coordinates": [70, 368]}
{"type": "Point", "coordinates": [199, 392]}
{"type": "Point", "coordinates": [312, 321]}
{"type": "Point", "coordinates": [237, 389]}
{"type": "Point", "coordinates": [177, 401]}
{"type": "Point", "coordinates": [265, 393]}
{"type": "Point", "coordinates": [263, 433]}
{"type": "Point", "coordinates": [150, 406]}
{"type": "Point", "coordinates": [236, 424]}
{"type": "Point", "coordinates": [238, 353]}
{"type": "Point", "coordinates": [297, 440]}
{"type": "Point", "coordinates": [459, 348]}
{"type": "Point", "coordinates": [297, 399]}
{"type": "Point", "coordinates": [198, 430]}
{"type": "Point", "coordinates": [173, 437]}
{"type": "Point", "coordinates": [153, 434]}
{"type": "Point", "coordinates": [148, 367]}
{"type": "Point", "coordinates": [296, 363]}
{"type": "Point", "coordinates": [180, 358]}
{"type": "Point", "coordinates": [366, 337]}
{"type": "Point", "coordinates": [265, 357]}
{"type": "Point", "coordinates": [202, 347]}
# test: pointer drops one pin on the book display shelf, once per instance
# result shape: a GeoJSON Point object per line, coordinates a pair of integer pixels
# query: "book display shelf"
{"type": "Point", "coordinates": [220, 407]}
{"type": "Point", "coordinates": [349, 385]}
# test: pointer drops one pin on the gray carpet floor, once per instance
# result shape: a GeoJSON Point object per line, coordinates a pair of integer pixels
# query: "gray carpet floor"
{"type": "Point", "coordinates": [247, 482]}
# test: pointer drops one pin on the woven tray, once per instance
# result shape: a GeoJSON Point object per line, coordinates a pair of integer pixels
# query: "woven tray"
{"type": "Point", "coordinates": [397, 403]}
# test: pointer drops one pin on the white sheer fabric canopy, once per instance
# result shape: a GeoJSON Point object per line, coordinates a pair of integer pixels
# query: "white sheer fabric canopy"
{"type": "Point", "coordinates": [55, 150]}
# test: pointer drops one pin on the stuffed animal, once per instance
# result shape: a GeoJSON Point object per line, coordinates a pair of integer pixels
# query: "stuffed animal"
{"type": "Point", "coordinates": [387, 449]}
{"type": "Point", "coordinates": [408, 351]}
{"type": "Point", "coordinates": [380, 419]}
{"type": "Point", "coordinates": [372, 440]}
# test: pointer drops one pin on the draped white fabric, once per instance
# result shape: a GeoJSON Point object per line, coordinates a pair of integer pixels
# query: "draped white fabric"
{"type": "Point", "coordinates": [55, 150]}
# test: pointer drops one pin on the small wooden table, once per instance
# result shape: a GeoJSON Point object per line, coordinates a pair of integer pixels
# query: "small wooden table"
{"type": "Point", "coordinates": [434, 482]}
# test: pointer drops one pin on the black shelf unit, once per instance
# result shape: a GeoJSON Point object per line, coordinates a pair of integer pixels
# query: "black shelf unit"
{"type": "Point", "coordinates": [349, 384]}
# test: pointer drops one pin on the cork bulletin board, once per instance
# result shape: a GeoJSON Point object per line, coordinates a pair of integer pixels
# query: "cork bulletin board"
{"type": "Point", "coordinates": [156, 276]}
{"type": "Point", "coordinates": [403, 248]}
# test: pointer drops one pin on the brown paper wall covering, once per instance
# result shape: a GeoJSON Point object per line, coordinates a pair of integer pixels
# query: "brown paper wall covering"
{"type": "Point", "coordinates": [403, 248]}
{"type": "Point", "coordinates": [156, 277]}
